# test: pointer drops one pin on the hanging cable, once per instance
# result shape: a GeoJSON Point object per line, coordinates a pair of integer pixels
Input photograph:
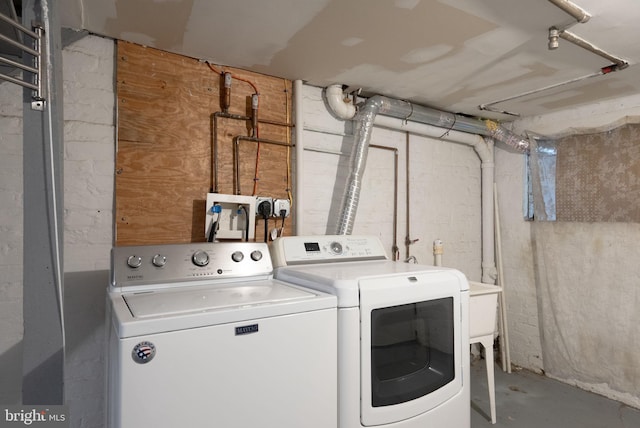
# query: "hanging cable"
{"type": "Point", "coordinates": [283, 215]}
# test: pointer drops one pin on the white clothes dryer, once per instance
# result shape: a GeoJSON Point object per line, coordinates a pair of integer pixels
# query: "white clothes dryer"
{"type": "Point", "coordinates": [403, 331]}
{"type": "Point", "coordinates": [201, 335]}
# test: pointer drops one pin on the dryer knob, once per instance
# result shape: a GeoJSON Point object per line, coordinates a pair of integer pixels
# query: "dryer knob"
{"type": "Point", "coordinates": [256, 256]}
{"type": "Point", "coordinates": [200, 258]}
{"type": "Point", "coordinates": [237, 256]}
{"type": "Point", "coordinates": [134, 261]}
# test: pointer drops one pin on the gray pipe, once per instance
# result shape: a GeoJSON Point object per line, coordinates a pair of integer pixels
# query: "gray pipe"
{"type": "Point", "coordinates": [407, 111]}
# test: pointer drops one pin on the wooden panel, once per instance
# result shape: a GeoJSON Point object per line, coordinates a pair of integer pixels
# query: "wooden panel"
{"type": "Point", "coordinates": [165, 144]}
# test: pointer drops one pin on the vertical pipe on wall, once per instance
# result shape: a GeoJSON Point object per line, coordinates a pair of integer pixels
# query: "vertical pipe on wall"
{"type": "Point", "coordinates": [299, 152]}
{"type": "Point", "coordinates": [489, 273]}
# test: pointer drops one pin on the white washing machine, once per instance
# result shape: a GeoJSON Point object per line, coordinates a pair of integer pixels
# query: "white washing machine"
{"type": "Point", "coordinates": [403, 331]}
{"type": "Point", "coordinates": [201, 335]}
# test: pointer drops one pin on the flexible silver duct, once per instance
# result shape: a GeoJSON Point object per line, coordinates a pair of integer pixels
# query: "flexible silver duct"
{"type": "Point", "coordinates": [407, 111]}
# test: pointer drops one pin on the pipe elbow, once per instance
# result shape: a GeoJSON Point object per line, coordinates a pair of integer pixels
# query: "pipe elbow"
{"type": "Point", "coordinates": [484, 149]}
{"type": "Point", "coordinates": [340, 107]}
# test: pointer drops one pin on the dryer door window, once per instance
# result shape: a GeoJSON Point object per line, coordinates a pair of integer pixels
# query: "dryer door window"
{"type": "Point", "coordinates": [412, 350]}
{"type": "Point", "coordinates": [411, 345]}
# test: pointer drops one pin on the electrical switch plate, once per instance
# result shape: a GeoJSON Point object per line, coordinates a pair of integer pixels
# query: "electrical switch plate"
{"type": "Point", "coordinates": [231, 219]}
{"type": "Point", "coordinates": [280, 205]}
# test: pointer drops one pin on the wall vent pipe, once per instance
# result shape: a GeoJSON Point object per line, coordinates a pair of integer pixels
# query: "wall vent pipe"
{"type": "Point", "coordinates": [405, 110]}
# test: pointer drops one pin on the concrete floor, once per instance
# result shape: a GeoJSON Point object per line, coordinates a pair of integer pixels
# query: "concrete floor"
{"type": "Point", "coordinates": [528, 400]}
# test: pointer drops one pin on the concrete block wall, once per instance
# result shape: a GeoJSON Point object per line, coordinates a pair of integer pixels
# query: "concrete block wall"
{"type": "Point", "coordinates": [89, 164]}
{"type": "Point", "coordinates": [518, 263]}
{"type": "Point", "coordinates": [89, 133]}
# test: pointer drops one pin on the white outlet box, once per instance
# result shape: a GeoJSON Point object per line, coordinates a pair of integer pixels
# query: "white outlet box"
{"type": "Point", "coordinates": [281, 205]}
{"type": "Point", "coordinates": [232, 219]}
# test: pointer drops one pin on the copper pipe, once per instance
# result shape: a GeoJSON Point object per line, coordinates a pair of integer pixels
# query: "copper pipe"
{"type": "Point", "coordinates": [236, 142]}
{"type": "Point", "coordinates": [214, 149]}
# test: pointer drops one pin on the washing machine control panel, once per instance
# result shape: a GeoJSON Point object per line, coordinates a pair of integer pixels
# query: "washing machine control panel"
{"type": "Point", "coordinates": [292, 250]}
{"type": "Point", "coordinates": [173, 264]}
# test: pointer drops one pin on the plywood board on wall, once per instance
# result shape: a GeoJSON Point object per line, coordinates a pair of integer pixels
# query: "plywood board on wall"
{"type": "Point", "coordinates": [165, 153]}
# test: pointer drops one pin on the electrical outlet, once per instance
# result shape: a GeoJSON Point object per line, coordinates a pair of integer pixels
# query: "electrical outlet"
{"type": "Point", "coordinates": [264, 201]}
{"type": "Point", "coordinates": [231, 220]}
{"type": "Point", "coordinates": [280, 205]}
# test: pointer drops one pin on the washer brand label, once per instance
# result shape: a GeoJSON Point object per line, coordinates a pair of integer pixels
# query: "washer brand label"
{"type": "Point", "coordinates": [143, 352]}
{"type": "Point", "coordinates": [45, 416]}
{"type": "Point", "coordinates": [246, 329]}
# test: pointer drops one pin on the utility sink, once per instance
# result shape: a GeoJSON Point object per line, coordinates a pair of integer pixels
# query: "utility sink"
{"type": "Point", "coordinates": [483, 304]}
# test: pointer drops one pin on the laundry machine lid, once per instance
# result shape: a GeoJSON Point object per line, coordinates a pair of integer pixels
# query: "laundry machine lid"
{"type": "Point", "coordinates": [180, 308]}
{"type": "Point", "coordinates": [201, 299]}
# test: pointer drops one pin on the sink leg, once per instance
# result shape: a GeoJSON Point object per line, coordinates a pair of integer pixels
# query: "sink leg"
{"type": "Point", "coordinates": [487, 344]}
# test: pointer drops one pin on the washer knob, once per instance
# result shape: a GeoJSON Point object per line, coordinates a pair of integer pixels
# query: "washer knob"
{"type": "Point", "coordinates": [256, 255]}
{"type": "Point", "coordinates": [200, 258]}
{"type": "Point", "coordinates": [134, 261]}
{"type": "Point", "coordinates": [237, 256]}
{"type": "Point", "coordinates": [159, 260]}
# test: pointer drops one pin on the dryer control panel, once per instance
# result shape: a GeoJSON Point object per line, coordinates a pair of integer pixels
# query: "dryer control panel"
{"type": "Point", "coordinates": [294, 250]}
{"type": "Point", "coordinates": [171, 264]}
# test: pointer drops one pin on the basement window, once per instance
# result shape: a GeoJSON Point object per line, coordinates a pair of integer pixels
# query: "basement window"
{"type": "Point", "coordinates": [589, 177]}
{"type": "Point", "coordinates": [540, 192]}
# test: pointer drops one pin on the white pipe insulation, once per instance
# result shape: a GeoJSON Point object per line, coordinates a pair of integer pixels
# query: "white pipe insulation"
{"type": "Point", "coordinates": [299, 151]}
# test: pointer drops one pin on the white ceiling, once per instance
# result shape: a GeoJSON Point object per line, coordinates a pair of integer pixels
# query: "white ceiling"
{"type": "Point", "coordinates": [450, 54]}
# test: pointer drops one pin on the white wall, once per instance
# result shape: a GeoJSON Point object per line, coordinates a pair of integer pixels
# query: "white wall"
{"type": "Point", "coordinates": [89, 164]}
{"type": "Point", "coordinates": [581, 278]}
{"type": "Point", "coordinates": [518, 263]}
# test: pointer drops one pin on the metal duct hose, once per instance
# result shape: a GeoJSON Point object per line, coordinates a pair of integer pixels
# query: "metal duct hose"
{"type": "Point", "coordinates": [362, 136]}
{"type": "Point", "coordinates": [406, 111]}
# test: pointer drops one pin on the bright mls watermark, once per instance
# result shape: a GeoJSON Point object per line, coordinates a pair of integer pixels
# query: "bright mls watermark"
{"type": "Point", "coordinates": [34, 416]}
